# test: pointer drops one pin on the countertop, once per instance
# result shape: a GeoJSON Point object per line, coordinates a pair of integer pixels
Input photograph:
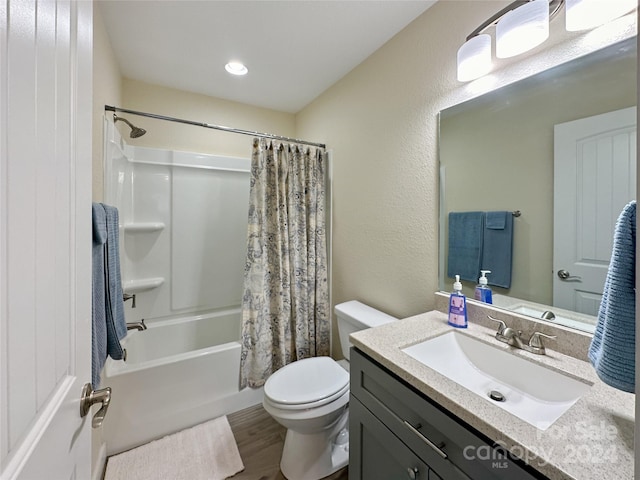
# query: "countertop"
{"type": "Point", "coordinates": [591, 440]}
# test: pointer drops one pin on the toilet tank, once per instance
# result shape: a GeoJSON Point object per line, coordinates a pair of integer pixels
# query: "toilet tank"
{"type": "Point", "coordinates": [354, 316]}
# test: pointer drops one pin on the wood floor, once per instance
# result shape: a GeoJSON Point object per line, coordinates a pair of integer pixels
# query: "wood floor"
{"type": "Point", "coordinates": [260, 440]}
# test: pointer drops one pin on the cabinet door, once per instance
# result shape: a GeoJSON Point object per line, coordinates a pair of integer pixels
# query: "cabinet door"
{"type": "Point", "coordinates": [376, 453]}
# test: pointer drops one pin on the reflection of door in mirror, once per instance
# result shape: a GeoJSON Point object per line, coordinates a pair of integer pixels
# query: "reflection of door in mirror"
{"type": "Point", "coordinates": [594, 178]}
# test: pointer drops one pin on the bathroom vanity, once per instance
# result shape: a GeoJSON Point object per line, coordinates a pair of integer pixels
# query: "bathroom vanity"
{"type": "Point", "coordinates": [403, 434]}
{"type": "Point", "coordinates": [409, 421]}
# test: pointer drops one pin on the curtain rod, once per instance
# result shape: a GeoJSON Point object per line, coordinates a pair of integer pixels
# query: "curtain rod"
{"type": "Point", "coordinates": [109, 108]}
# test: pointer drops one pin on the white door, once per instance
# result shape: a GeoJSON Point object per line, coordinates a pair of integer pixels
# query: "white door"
{"type": "Point", "coordinates": [45, 238]}
{"type": "Point", "coordinates": [594, 178]}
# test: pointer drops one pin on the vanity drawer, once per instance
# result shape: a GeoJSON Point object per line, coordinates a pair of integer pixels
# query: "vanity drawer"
{"type": "Point", "coordinates": [446, 444]}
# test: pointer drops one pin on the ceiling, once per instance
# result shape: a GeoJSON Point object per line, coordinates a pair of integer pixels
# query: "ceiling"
{"type": "Point", "coordinates": [294, 49]}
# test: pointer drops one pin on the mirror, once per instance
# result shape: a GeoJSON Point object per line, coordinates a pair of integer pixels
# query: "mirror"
{"type": "Point", "coordinates": [497, 153]}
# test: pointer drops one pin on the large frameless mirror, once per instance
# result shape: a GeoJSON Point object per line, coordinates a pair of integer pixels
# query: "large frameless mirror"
{"type": "Point", "coordinates": [558, 147]}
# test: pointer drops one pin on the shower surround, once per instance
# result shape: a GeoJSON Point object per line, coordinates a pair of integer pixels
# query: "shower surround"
{"type": "Point", "coordinates": [183, 227]}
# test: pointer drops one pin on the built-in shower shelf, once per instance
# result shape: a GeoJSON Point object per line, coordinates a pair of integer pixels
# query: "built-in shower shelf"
{"type": "Point", "coordinates": [141, 285]}
{"type": "Point", "coordinates": [141, 227]}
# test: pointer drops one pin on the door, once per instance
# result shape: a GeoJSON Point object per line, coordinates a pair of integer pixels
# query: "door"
{"type": "Point", "coordinates": [45, 238]}
{"type": "Point", "coordinates": [594, 178]}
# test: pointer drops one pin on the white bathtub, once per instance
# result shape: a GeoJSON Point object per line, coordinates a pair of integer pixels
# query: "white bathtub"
{"type": "Point", "coordinates": [178, 373]}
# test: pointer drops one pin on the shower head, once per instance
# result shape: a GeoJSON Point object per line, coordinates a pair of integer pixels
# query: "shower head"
{"type": "Point", "coordinates": [135, 131]}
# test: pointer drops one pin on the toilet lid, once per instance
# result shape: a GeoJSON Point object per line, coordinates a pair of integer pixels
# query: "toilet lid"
{"type": "Point", "coordinates": [316, 381]}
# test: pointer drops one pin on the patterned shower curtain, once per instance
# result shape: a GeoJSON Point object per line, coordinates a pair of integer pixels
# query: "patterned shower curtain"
{"type": "Point", "coordinates": [285, 305]}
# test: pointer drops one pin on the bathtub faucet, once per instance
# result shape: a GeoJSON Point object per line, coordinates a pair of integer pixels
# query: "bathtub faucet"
{"type": "Point", "coordinates": [128, 296]}
{"type": "Point", "coordinates": [137, 325]}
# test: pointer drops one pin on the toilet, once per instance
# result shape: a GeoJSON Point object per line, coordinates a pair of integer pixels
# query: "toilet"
{"type": "Point", "coordinates": [310, 397]}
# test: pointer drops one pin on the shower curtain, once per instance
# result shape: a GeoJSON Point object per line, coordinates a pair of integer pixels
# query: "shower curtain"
{"type": "Point", "coordinates": [285, 304]}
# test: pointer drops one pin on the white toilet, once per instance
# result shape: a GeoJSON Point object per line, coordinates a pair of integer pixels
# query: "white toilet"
{"type": "Point", "coordinates": [310, 398]}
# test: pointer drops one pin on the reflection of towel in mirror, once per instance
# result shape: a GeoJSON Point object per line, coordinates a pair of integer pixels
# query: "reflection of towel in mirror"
{"type": "Point", "coordinates": [108, 323]}
{"type": "Point", "coordinates": [612, 350]}
{"type": "Point", "coordinates": [465, 245]}
{"type": "Point", "coordinates": [497, 247]}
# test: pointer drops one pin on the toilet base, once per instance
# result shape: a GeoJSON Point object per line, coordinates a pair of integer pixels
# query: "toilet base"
{"type": "Point", "coordinates": [318, 455]}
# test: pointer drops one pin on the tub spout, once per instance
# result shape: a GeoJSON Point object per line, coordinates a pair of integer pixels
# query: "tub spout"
{"type": "Point", "coordinates": [137, 325]}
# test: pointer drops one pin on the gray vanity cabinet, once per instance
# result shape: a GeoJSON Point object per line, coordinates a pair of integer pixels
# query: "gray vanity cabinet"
{"type": "Point", "coordinates": [398, 433]}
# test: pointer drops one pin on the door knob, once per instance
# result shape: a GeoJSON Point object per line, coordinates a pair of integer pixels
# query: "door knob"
{"type": "Point", "coordinates": [89, 397]}
{"type": "Point", "coordinates": [565, 275]}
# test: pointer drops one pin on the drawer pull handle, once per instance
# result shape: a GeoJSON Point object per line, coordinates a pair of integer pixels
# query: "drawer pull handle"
{"type": "Point", "coordinates": [437, 448]}
{"type": "Point", "coordinates": [413, 473]}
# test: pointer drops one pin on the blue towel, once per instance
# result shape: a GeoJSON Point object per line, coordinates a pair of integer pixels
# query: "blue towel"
{"type": "Point", "coordinates": [98, 311]}
{"type": "Point", "coordinates": [116, 324]}
{"type": "Point", "coordinates": [108, 322]}
{"type": "Point", "coordinates": [465, 245]}
{"type": "Point", "coordinates": [497, 251]}
{"type": "Point", "coordinates": [613, 348]}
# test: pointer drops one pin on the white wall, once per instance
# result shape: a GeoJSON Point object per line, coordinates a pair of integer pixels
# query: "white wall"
{"type": "Point", "coordinates": [380, 120]}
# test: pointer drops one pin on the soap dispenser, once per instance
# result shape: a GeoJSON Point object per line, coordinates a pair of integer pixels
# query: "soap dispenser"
{"type": "Point", "coordinates": [457, 306]}
{"type": "Point", "coordinates": [483, 291]}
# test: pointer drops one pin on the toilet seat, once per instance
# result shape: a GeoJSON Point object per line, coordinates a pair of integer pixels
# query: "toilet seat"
{"type": "Point", "coordinates": [307, 383]}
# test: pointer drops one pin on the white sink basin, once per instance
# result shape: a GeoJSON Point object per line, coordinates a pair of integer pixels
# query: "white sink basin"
{"type": "Point", "coordinates": [532, 392]}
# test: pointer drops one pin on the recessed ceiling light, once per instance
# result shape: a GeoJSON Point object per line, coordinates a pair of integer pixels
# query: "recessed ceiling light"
{"type": "Point", "coordinates": [236, 68]}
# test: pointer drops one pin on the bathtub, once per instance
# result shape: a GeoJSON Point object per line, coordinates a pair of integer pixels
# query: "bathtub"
{"type": "Point", "coordinates": [178, 373]}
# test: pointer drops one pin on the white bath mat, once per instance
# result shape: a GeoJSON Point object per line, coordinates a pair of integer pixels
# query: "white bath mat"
{"type": "Point", "coordinates": [205, 452]}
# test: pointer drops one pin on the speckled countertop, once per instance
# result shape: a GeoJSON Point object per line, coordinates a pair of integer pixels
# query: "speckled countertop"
{"type": "Point", "coordinates": [591, 440]}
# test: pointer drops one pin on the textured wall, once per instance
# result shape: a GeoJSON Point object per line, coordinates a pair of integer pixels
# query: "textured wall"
{"type": "Point", "coordinates": [106, 91]}
{"type": "Point", "coordinates": [199, 108]}
{"type": "Point", "coordinates": [380, 121]}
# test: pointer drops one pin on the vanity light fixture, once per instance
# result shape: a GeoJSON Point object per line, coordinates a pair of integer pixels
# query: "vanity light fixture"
{"type": "Point", "coordinates": [520, 26]}
{"type": "Point", "coordinates": [236, 68]}
{"type": "Point", "coordinates": [524, 24]}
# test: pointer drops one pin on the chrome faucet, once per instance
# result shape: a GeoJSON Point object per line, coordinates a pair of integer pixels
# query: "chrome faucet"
{"type": "Point", "coordinates": [137, 325]}
{"type": "Point", "coordinates": [514, 338]}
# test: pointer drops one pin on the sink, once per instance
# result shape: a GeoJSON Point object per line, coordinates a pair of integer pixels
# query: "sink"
{"type": "Point", "coordinates": [528, 390]}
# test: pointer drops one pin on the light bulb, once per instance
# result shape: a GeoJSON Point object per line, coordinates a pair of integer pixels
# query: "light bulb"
{"type": "Point", "coordinates": [474, 58]}
{"type": "Point", "coordinates": [522, 29]}
{"type": "Point", "coordinates": [236, 68]}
